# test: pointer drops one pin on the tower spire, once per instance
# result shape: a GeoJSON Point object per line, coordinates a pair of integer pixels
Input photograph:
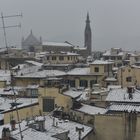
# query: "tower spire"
{"type": "Point", "coordinates": [87, 21]}
{"type": "Point", "coordinates": [88, 36]}
{"type": "Point", "coordinates": [31, 32]}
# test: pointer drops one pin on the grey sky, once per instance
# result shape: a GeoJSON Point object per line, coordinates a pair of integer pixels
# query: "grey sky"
{"type": "Point", "coordinates": [114, 23]}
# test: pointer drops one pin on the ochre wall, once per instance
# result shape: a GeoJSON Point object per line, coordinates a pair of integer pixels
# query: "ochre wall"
{"type": "Point", "coordinates": [23, 113]}
{"type": "Point", "coordinates": [60, 99]}
{"type": "Point", "coordinates": [114, 127]}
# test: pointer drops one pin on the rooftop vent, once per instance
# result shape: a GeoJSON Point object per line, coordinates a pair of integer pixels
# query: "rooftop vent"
{"type": "Point", "coordinates": [38, 125]}
{"type": "Point", "coordinates": [5, 133]}
{"type": "Point", "coordinates": [130, 91]}
{"type": "Point", "coordinates": [13, 125]}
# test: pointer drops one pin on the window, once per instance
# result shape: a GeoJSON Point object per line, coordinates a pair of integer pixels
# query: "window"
{"type": "Point", "coordinates": [119, 58]}
{"type": "Point", "coordinates": [96, 69]}
{"type": "Point", "coordinates": [48, 104]}
{"type": "Point", "coordinates": [61, 57]}
{"type": "Point", "coordinates": [53, 57]}
{"type": "Point", "coordinates": [72, 83]}
{"type": "Point", "coordinates": [48, 58]}
{"type": "Point", "coordinates": [92, 82]}
{"type": "Point", "coordinates": [32, 92]}
{"type": "Point", "coordinates": [113, 58]}
{"type": "Point", "coordinates": [83, 83]}
{"type": "Point", "coordinates": [129, 79]}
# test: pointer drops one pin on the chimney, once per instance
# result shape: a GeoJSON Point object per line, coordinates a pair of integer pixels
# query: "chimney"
{"type": "Point", "coordinates": [130, 91]}
{"type": "Point", "coordinates": [6, 134]}
{"type": "Point", "coordinates": [13, 124]}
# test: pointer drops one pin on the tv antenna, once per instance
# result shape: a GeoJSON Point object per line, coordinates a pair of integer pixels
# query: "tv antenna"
{"type": "Point", "coordinates": [3, 17]}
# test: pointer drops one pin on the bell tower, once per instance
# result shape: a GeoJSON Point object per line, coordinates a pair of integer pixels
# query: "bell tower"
{"type": "Point", "coordinates": [88, 36]}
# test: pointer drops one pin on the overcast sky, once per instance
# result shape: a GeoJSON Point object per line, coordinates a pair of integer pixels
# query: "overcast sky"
{"type": "Point", "coordinates": [114, 23]}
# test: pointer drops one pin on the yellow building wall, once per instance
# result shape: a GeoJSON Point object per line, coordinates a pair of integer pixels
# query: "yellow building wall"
{"type": "Point", "coordinates": [2, 84]}
{"type": "Point", "coordinates": [23, 113]}
{"type": "Point", "coordinates": [26, 81]}
{"type": "Point", "coordinates": [60, 99]}
{"type": "Point", "coordinates": [87, 78]}
{"type": "Point", "coordinates": [113, 127]}
{"type": "Point", "coordinates": [101, 69]}
{"type": "Point", "coordinates": [82, 117]}
{"type": "Point", "coordinates": [4, 64]}
{"type": "Point", "coordinates": [125, 72]}
{"type": "Point", "coordinates": [71, 60]}
{"type": "Point", "coordinates": [137, 76]}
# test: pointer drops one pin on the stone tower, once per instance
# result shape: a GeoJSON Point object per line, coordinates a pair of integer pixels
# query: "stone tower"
{"type": "Point", "coordinates": [88, 36]}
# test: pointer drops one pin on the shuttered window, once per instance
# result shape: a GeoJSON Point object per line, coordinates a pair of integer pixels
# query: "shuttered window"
{"type": "Point", "coordinates": [48, 105]}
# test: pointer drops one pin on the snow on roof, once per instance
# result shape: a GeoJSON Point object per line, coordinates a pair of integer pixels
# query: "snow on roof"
{"type": "Point", "coordinates": [100, 91]}
{"type": "Point", "coordinates": [3, 49]}
{"type": "Point", "coordinates": [113, 87]}
{"type": "Point", "coordinates": [70, 53]}
{"type": "Point", "coordinates": [27, 70]}
{"type": "Point", "coordinates": [101, 62]}
{"type": "Point", "coordinates": [34, 63]}
{"type": "Point", "coordinates": [91, 110]}
{"type": "Point", "coordinates": [112, 79]}
{"type": "Point", "coordinates": [19, 66]}
{"type": "Point", "coordinates": [134, 66]}
{"type": "Point", "coordinates": [8, 91]}
{"type": "Point", "coordinates": [32, 86]}
{"type": "Point", "coordinates": [109, 53]}
{"type": "Point", "coordinates": [73, 93]}
{"type": "Point", "coordinates": [43, 74]}
{"type": "Point", "coordinates": [5, 103]}
{"type": "Point", "coordinates": [124, 107]}
{"type": "Point", "coordinates": [63, 126]}
{"type": "Point", "coordinates": [121, 95]}
{"type": "Point", "coordinates": [80, 48]}
{"type": "Point", "coordinates": [5, 75]}
{"type": "Point", "coordinates": [79, 71]}
{"type": "Point", "coordinates": [115, 68]}
{"type": "Point", "coordinates": [56, 44]}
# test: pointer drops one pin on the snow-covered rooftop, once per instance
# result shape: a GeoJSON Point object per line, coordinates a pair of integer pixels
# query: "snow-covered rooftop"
{"type": "Point", "coordinates": [100, 91]}
{"type": "Point", "coordinates": [124, 107]}
{"type": "Point", "coordinates": [73, 93]}
{"type": "Point", "coordinates": [63, 126]}
{"type": "Point", "coordinates": [5, 103]}
{"type": "Point", "coordinates": [34, 63]}
{"type": "Point", "coordinates": [27, 70]}
{"type": "Point", "coordinates": [79, 71]}
{"type": "Point", "coordinates": [101, 62]}
{"type": "Point", "coordinates": [115, 68]}
{"type": "Point", "coordinates": [111, 79]}
{"type": "Point", "coordinates": [5, 75]}
{"type": "Point", "coordinates": [110, 53]}
{"type": "Point", "coordinates": [56, 44]}
{"type": "Point", "coordinates": [43, 74]}
{"type": "Point", "coordinates": [19, 66]}
{"type": "Point", "coordinates": [92, 110]}
{"type": "Point", "coordinates": [113, 87]}
{"type": "Point", "coordinates": [121, 95]}
{"type": "Point", "coordinates": [80, 48]}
